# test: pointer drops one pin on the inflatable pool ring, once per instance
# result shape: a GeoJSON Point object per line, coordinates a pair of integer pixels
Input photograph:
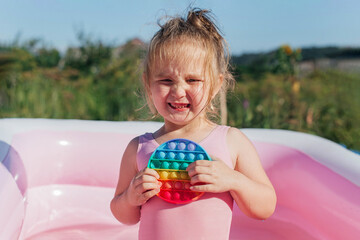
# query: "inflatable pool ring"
{"type": "Point", "coordinates": [170, 160]}
{"type": "Point", "coordinates": [48, 167]}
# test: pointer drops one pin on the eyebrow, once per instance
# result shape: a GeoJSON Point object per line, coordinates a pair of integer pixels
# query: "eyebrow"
{"type": "Point", "coordinates": [190, 75]}
{"type": "Point", "coordinates": [162, 75]}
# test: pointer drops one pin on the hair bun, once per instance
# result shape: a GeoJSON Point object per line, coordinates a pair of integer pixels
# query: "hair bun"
{"type": "Point", "coordinates": [202, 19]}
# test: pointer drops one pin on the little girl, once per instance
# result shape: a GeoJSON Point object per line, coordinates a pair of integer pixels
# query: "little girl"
{"type": "Point", "coordinates": [185, 69]}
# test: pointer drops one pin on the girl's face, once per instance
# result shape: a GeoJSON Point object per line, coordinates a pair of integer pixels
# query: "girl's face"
{"type": "Point", "coordinates": [179, 87]}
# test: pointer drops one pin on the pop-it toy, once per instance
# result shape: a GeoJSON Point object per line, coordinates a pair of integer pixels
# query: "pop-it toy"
{"type": "Point", "coordinates": [170, 160]}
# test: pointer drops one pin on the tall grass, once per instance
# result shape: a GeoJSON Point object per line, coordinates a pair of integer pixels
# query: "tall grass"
{"type": "Point", "coordinates": [327, 104]}
{"type": "Point", "coordinates": [108, 88]}
{"type": "Point", "coordinates": [35, 95]}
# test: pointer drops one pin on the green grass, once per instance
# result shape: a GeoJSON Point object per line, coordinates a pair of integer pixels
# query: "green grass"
{"type": "Point", "coordinates": [327, 104]}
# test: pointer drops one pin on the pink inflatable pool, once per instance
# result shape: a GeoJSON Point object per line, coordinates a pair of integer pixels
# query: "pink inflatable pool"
{"type": "Point", "coordinates": [57, 178]}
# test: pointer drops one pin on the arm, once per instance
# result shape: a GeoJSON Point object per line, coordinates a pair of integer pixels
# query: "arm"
{"type": "Point", "coordinates": [247, 183]}
{"type": "Point", "coordinates": [134, 187]}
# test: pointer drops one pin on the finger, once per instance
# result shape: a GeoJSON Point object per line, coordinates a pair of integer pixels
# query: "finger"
{"type": "Point", "coordinates": [148, 171]}
{"type": "Point", "coordinates": [149, 194]}
{"type": "Point", "coordinates": [199, 170]}
{"type": "Point", "coordinates": [202, 163]}
{"type": "Point", "coordinates": [202, 188]}
{"type": "Point", "coordinates": [142, 188]}
{"type": "Point", "coordinates": [201, 178]}
{"type": "Point", "coordinates": [144, 179]}
{"type": "Point", "coordinates": [151, 172]}
{"type": "Point", "coordinates": [198, 163]}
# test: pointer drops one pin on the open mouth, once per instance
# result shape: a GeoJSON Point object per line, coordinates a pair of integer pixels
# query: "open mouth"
{"type": "Point", "coordinates": [179, 106]}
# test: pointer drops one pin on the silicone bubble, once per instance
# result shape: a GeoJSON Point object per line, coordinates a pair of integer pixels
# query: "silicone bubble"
{"type": "Point", "coordinates": [168, 185]}
{"type": "Point", "coordinates": [171, 145]}
{"type": "Point", "coordinates": [183, 166]}
{"type": "Point", "coordinates": [200, 157]}
{"type": "Point", "coordinates": [165, 165]}
{"type": "Point", "coordinates": [181, 156]}
{"type": "Point", "coordinates": [191, 147]}
{"type": "Point", "coordinates": [160, 155]}
{"type": "Point", "coordinates": [170, 155]}
{"type": "Point", "coordinates": [170, 160]}
{"type": "Point", "coordinates": [191, 156]}
{"type": "Point", "coordinates": [181, 146]}
{"type": "Point", "coordinates": [164, 175]}
{"type": "Point", "coordinates": [177, 196]}
{"type": "Point", "coordinates": [178, 185]}
{"type": "Point", "coordinates": [175, 165]}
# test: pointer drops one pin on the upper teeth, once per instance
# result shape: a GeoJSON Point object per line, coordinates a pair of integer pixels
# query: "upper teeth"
{"type": "Point", "coordinates": [179, 106]}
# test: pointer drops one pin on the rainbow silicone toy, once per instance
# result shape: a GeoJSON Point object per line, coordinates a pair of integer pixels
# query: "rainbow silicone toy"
{"type": "Point", "coordinates": [170, 160]}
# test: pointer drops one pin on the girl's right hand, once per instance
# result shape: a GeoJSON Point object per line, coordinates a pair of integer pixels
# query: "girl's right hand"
{"type": "Point", "coordinates": [143, 186]}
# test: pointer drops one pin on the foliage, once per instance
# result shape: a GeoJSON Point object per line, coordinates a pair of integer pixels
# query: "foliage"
{"type": "Point", "coordinates": [25, 61]}
{"type": "Point", "coordinates": [308, 53]}
{"type": "Point", "coordinates": [7, 61]}
{"type": "Point", "coordinates": [285, 60]}
{"type": "Point", "coordinates": [47, 57]}
{"type": "Point", "coordinates": [90, 56]}
{"type": "Point", "coordinates": [328, 105]}
{"type": "Point", "coordinates": [100, 81]}
{"type": "Point", "coordinates": [257, 69]}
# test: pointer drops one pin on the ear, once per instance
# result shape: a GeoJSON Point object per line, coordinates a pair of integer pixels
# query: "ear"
{"type": "Point", "coordinates": [218, 85]}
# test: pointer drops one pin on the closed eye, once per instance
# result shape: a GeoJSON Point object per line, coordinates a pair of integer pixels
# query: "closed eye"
{"type": "Point", "coordinates": [193, 80]}
{"type": "Point", "coordinates": [165, 81]}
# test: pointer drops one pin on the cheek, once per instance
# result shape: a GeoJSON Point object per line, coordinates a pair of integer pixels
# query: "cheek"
{"type": "Point", "coordinates": [158, 93]}
{"type": "Point", "coordinates": [199, 94]}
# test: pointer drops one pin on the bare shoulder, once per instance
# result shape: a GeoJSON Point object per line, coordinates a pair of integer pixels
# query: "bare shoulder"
{"type": "Point", "coordinates": [132, 145]}
{"type": "Point", "coordinates": [241, 148]}
{"type": "Point", "coordinates": [128, 167]}
{"type": "Point", "coordinates": [238, 141]}
{"type": "Point", "coordinates": [247, 160]}
{"type": "Point", "coordinates": [236, 134]}
{"type": "Point", "coordinates": [129, 156]}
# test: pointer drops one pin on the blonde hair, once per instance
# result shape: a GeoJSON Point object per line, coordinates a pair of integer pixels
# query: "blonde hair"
{"type": "Point", "coordinates": [198, 29]}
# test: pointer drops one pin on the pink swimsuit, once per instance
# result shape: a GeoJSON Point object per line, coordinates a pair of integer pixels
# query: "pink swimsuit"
{"type": "Point", "coordinates": [207, 218]}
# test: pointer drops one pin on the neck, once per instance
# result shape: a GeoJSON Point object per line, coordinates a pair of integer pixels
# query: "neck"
{"type": "Point", "coordinates": [195, 130]}
{"type": "Point", "coordinates": [195, 125]}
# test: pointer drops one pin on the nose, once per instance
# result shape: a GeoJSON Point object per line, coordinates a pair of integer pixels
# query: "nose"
{"type": "Point", "coordinates": [178, 90]}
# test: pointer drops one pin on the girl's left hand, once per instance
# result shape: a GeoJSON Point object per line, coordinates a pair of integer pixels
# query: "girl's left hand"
{"type": "Point", "coordinates": [213, 176]}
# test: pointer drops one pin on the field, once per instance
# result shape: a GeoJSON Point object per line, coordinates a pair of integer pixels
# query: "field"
{"type": "Point", "coordinates": [325, 103]}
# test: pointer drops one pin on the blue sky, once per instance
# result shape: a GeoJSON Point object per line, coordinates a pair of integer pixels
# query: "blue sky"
{"type": "Point", "coordinates": [248, 25]}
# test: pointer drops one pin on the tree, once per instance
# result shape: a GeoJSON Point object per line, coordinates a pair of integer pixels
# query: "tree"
{"type": "Point", "coordinates": [285, 61]}
{"type": "Point", "coordinates": [47, 58]}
